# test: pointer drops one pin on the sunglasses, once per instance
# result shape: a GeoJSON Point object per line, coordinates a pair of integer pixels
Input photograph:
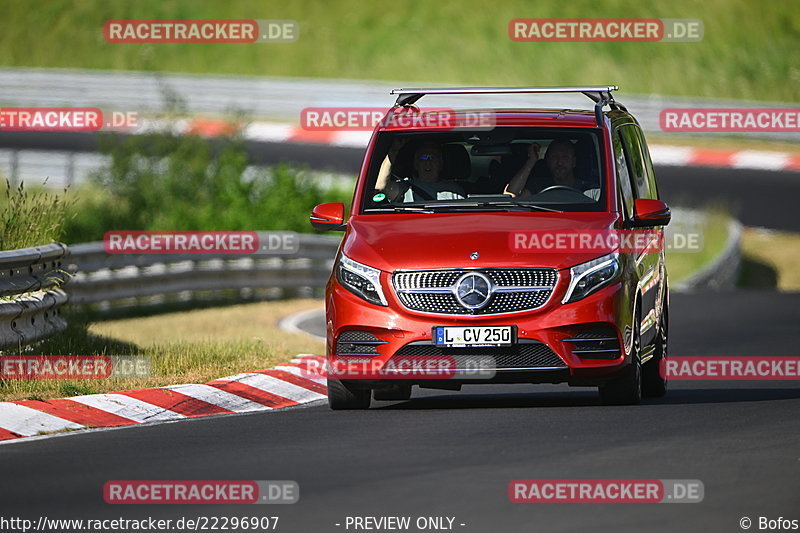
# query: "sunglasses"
{"type": "Point", "coordinates": [428, 158]}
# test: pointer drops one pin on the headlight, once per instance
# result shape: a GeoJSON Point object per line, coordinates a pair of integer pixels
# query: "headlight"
{"type": "Point", "coordinates": [588, 277]}
{"type": "Point", "coordinates": [361, 280]}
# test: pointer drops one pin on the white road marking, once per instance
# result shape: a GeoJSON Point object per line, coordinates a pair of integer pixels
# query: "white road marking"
{"type": "Point", "coordinates": [26, 421]}
{"type": "Point", "coordinates": [266, 131]}
{"type": "Point", "coordinates": [670, 155]}
{"type": "Point", "coordinates": [305, 374]}
{"type": "Point", "coordinates": [277, 386]}
{"type": "Point", "coordinates": [218, 397]}
{"type": "Point", "coordinates": [128, 407]}
{"type": "Point", "coordinates": [760, 160]}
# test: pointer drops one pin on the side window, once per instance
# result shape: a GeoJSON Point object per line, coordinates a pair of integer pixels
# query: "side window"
{"type": "Point", "coordinates": [636, 164]}
{"type": "Point", "coordinates": [623, 176]}
{"type": "Point", "coordinates": [648, 165]}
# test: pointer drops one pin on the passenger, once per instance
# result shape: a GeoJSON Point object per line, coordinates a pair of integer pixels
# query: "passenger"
{"type": "Point", "coordinates": [560, 159]}
{"type": "Point", "coordinates": [518, 183]}
{"type": "Point", "coordinates": [427, 184]}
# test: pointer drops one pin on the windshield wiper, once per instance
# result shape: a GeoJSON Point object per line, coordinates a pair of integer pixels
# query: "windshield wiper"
{"type": "Point", "coordinates": [443, 205]}
{"type": "Point", "coordinates": [524, 206]}
{"type": "Point", "coordinates": [498, 205]}
{"type": "Point", "coordinates": [398, 209]}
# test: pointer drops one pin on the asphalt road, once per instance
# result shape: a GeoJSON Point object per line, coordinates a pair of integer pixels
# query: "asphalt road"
{"type": "Point", "coordinates": [454, 454]}
{"type": "Point", "coordinates": [756, 197]}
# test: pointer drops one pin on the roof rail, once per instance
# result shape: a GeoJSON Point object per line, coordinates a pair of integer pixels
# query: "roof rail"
{"type": "Point", "coordinates": [599, 94]}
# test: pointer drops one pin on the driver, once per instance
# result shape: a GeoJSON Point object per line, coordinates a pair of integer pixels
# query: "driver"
{"type": "Point", "coordinates": [427, 184]}
{"type": "Point", "coordinates": [560, 159]}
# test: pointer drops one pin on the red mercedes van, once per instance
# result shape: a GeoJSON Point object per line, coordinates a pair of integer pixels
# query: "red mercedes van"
{"type": "Point", "coordinates": [489, 246]}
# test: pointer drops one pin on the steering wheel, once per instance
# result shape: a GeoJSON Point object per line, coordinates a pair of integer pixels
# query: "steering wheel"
{"type": "Point", "coordinates": [416, 188]}
{"type": "Point", "coordinates": [560, 187]}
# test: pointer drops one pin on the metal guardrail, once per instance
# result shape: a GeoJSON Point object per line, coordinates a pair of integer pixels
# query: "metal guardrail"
{"type": "Point", "coordinates": [105, 282]}
{"type": "Point", "coordinates": [30, 294]}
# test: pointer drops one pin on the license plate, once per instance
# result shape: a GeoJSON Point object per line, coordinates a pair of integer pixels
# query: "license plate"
{"type": "Point", "coordinates": [473, 335]}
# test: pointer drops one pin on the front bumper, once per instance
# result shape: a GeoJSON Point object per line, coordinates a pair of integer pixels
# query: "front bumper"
{"type": "Point", "coordinates": [404, 333]}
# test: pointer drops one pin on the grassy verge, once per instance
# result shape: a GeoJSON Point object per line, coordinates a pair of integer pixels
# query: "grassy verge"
{"type": "Point", "coordinates": [715, 233]}
{"type": "Point", "coordinates": [749, 49]}
{"type": "Point", "coordinates": [190, 347]}
{"type": "Point", "coordinates": [770, 259]}
{"type": "Point", "coordinates": [31, 217]}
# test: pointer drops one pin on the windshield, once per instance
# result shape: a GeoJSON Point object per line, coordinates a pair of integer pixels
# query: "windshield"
{"type": "Point", "coordinates": [505, 168]}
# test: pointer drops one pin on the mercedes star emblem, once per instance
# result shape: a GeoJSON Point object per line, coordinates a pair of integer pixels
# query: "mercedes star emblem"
{"type": "Point", "coordinates": [473, 290]}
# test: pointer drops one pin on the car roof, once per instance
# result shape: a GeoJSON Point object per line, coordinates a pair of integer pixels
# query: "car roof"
{"type": "Point", "coordinates": [555, 118]}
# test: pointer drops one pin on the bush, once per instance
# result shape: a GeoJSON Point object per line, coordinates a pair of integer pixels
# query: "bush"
{"type": "Point", "coordinates": [164, 181]}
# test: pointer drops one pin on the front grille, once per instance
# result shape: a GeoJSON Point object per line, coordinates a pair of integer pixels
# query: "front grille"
{"type": "Point", "coordinates": [511, 290]}
{"type": "Point", "coordinates": [530, 355]}
{"type": "Point", "coordinates": [356, 342]}
{"type": "Point", "coordinates": [596, 343]}
{"type": "Point", "coordinates": [428, 279]}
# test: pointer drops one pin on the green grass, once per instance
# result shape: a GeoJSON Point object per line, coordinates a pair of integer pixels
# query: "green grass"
{"type": "Point", "coordinates": [31, 216]}
{"type": "Point", "coordinates": [750, 49]}
{"type": "Point", "coordinates": [715, 234]}
{"type": "Point", "coordinates": [189, 347]}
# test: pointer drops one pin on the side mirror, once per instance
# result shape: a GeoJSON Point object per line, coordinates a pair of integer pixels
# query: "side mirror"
{"type": "Point", "coordinates": [328, 217]}
{"type": "Point", "coordinates": [648, 213]}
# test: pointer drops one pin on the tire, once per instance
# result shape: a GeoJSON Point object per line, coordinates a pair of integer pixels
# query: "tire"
{"type": "Point", "coordinates": [627, 388]}
{"type": "Point", "coordinates": [654, 372]}
{"type": "Point", "coordinates": [397, 393]}
{"type": "Point", "coordinates": [342, 396]}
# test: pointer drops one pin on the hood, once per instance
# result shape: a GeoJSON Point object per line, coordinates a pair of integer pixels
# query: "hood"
{"type": "Point", "coordinates": [446, 240]}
